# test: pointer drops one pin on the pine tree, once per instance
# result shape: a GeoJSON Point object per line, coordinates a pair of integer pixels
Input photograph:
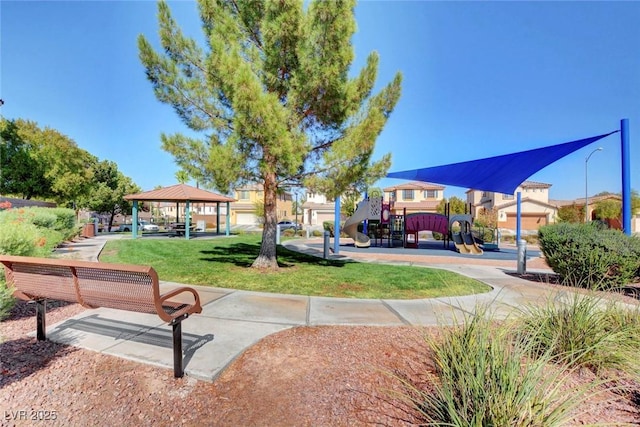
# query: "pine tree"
{"type": "Point", "coordinates": [272, 98]}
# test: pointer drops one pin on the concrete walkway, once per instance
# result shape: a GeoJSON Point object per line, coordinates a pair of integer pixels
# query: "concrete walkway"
{"type": "Point", "coordinates": [233, 320]}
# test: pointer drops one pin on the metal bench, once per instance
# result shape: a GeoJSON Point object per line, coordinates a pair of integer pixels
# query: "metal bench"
{"type": "Point", "coordinates": [93, 285]}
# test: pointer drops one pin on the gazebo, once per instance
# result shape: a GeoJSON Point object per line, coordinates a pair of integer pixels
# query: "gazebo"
{"type": "Point", "coordinates": [181, 193]}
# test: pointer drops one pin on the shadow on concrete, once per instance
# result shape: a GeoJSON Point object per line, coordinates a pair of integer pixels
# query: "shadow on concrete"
{"type": "Point", "coordinates": [127, 331]}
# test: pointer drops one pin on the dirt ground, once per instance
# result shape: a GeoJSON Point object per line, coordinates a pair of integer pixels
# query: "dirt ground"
{"type": "Point", "coordinates": [305, 376]}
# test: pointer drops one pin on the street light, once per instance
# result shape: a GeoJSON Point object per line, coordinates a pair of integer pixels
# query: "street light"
{"type": "Point", "coordinates": [586, 193]}
{"type": "Point", "coordinates": [295, 229]}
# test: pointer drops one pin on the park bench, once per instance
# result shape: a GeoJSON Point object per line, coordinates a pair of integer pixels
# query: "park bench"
{"type": "Point", "coordinates": [93, 285]}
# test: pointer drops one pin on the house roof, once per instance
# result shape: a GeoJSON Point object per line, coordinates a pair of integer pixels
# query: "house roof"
{"type": "Point", "coordinates": [501, 174]}
{"type": "Point", "coordinates": [525, 184]}
{"type": "Point", "coordinates": [580, 202]}
{"type": "Point", "coordinates": [179, 193]}
{"type": "Point", "coordinates": [415, 185]}
{"type": "Point", "coordinates": [526, 200]}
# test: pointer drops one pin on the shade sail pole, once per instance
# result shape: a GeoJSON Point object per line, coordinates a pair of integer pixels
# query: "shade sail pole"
{"type": "Point", "coordinates": [518, 215]}
{"type": "Point", "coordinates": [626, 176]}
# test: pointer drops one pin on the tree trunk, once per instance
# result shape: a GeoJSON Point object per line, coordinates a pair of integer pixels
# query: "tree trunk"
{"type": "Point", "coordinates": [267, 257]}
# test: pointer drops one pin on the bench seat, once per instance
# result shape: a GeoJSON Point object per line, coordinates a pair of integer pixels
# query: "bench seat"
{"type": "Point", "coordinates": [92, 284]}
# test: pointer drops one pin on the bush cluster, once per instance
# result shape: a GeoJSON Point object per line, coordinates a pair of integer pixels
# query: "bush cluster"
{"type": "Point", "coordinates": [512, 373]}
{"type": "Point", "coordinates": [32, 231]}
{"type": "Point", "coordinates": [35, 231]}
{"type": "Point", "coordinates": [588, 256]}
{"type": "Point", "coordinates": [487, 376]}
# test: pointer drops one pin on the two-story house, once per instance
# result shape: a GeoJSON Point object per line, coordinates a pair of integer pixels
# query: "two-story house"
{"type": "Point", "coordinates": [245, 210]}
{"type": "Point", "coordinates": [317, 209]}
{"type": "Point", "coordinates": [536, 210]}
{"type": "Point", "coordinates": [414, 196]}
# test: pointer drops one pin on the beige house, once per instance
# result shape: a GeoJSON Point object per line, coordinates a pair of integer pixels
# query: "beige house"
{"type": "Point", "coordinates": [414, 196]}
{"type": "Point", "coordinates": [317, 209]}
{"type": "Point", "coordinates": [536, 209]}
{"type": "Point", "coordinates": [244, 210]}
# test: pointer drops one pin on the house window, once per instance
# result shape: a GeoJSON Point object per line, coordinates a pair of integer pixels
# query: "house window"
{"type": "Point", "coordinates": [407, 194]}
{"type": "Point", "coordinates": [507, 197]}
{"type": "Point", "coordinates": [485, 194]}
{"type": "Point", "coordinates": [260, 195]}
{"type": "Point", "coordinates": [431, 194]}
{"type": "Point", "coordinates": [392, 196]}
{"type": "Point", "coordinates": [243, 195]}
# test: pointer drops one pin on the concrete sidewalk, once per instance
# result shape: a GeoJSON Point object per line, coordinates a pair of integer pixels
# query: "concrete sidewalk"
{"type": "Point", "coordinates": [233, 320]}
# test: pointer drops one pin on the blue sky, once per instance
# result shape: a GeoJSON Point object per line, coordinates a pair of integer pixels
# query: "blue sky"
{"type": "Point", "coordinates": [480, 79]}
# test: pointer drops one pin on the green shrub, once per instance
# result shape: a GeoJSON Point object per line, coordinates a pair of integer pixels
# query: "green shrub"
{"type": "Point", "coordinates": [19, 238]}
{"type": "Point", "coordinates": [48, 241]}
{"type": "Point", "coordinates": [486, 377]}
{"type": "Point", "coordinates": [328, 226]}
{"type": "Point", "coordinates": [7, 301]}
{"type": "Point", "coordinates": [317, 233]}
{"type": "Point", "coordinates": [35, 231]}
{"type": "Point", "coordinates": [584, 331]}
{"type": "Point", "coordinates": [42, 218]}
{"type": "Point", "coordinates": [586, 256]}
{"type": "Point", "coordinates": [66, 222]}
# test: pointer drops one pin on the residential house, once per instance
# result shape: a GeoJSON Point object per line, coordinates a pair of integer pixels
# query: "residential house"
{"type": "Point", "coordinates": [414, 197]}
{"type": "Point", "coordinates": [593, 202]}
{"type": "Point", "coordinates": [536, 209]}
{"type": "Point", "coordinates": [244, 211]}
{"type": "Point", "coordinates": [317, 209]}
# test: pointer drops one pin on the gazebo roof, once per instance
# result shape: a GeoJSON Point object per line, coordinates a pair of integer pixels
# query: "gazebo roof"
{"type": "Point", "coordinates": [179, 193]}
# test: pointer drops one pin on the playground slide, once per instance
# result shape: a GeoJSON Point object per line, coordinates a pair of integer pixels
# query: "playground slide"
{"type": "Point", "coordinates": [351, 226]}
{"type": "Point", "coordinates": [459, 242]}
{"type": "Point", "coordinates": [470, 243]}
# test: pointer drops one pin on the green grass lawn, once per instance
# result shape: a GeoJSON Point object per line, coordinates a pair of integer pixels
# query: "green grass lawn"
{"type": "Point", "coordinates": [224, 262]}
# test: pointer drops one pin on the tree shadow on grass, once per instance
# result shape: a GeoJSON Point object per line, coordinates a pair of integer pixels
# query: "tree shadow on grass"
{"type": "Point", "coordinates": [243, 255]}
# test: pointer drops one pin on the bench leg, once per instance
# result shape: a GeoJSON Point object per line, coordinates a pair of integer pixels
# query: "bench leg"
{"type": "Point", "coordinates": [178, 370]}
{"type": "Point", "coordinates": [41, 319]}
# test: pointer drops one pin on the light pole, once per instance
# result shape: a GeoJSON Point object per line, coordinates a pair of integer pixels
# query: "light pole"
{"type": "Point", "coordinates": [586, 191]}
{"type": "Point", "coordinates": [296, 226]}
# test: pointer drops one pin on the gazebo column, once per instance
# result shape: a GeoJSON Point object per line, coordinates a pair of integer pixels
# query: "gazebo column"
{"type": "Point", "coordinates": [187, 220]}
{"type": "Point", "coordinates": [217, 217]}
{"type": "Point", "coordinates": [134, 225]}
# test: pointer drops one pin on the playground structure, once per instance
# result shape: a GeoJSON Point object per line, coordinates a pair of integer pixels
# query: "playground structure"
{"type": "Point", "coordinates": [368, 209]}
{"type": "Point", "coordinates": [405, 228]}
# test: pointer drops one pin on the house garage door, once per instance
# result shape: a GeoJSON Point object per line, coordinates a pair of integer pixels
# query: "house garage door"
{"type": "Point", "coordinates": [325, 216]}
{"type": "Point", "coordinates": [246, 219]}
{"type": "Point", "coordinates": [528, 221]}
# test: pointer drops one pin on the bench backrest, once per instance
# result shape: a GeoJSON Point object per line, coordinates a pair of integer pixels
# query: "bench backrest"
{"type": "Point", "coordinates": [126, 287]}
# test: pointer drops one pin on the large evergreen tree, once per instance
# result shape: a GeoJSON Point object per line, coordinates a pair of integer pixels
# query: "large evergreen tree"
{"type": "Point", "coordinates": [272, 98]}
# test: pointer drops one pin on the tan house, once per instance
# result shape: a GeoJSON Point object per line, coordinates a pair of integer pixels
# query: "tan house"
{"type": "Point", "coordinates": [536, 209]}
{"type": "Point", "coordinates": [593, 201]}
{"type": "Point", "coordinates": [244, 210]}
{"type": "Point", "coordinates": [414, 196]}
{"type": "Point", "coordinates": [317, 209]}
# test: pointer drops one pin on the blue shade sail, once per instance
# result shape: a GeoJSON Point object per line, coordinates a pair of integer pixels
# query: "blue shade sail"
{"type": "Point", "coordinates": [501, 174]}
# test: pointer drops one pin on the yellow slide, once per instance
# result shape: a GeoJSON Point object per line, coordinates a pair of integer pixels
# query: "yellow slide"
{"type": "Point", "coordinates": [459, 242]}
{"type": "Point", "coordinates": [351, 225]}
{"type": "Point", "coordinates": [470, 243]}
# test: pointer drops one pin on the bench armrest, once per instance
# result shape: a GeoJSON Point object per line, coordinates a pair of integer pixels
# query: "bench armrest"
{"type": "Point", "coordinates": [189, 309]}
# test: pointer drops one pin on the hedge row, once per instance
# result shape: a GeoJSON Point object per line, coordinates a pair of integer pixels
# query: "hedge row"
{"type": "Point", "coordinates": [33, 231]}
{"type": "Point", "coordinates": [588, 256]}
